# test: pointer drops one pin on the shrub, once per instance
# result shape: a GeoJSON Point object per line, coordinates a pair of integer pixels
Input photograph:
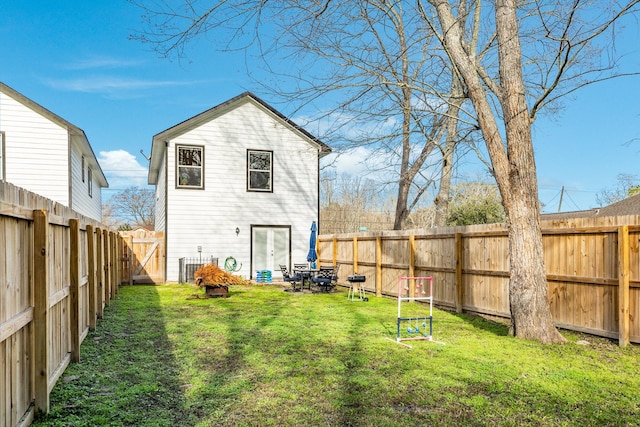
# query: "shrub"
{"type": "Point", "coordinates": [211, 274]}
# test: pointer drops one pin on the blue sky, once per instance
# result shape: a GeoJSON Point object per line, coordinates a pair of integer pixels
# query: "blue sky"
{"type": "Point", "coordinates": [75, 58]}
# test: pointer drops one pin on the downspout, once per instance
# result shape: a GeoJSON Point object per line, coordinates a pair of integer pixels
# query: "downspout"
{"type": "Point", "coordinates": [318, 195]}
{"type": "Point", "coordinates": [70, 172]}
{"type": "Point", "coordinates": [166, 207]}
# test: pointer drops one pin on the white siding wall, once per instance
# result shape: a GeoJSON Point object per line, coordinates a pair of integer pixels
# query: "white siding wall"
{"type": "Point", "coordinates": [209, 217]}
{"type": "Point", "coordinates": [81, 202]}
{"type": "Point", "coordinates": [36, 151]}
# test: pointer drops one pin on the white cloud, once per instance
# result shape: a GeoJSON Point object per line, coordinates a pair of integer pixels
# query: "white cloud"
{"type": "Point", "coordinates": [109, 85]}
{"type": "Point", "coordinates": [122, 169]}
{"type": "Point", "coordinates": [99, 61]}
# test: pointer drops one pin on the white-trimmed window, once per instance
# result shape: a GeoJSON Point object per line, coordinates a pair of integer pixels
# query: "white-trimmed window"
{"type": "Point", "coordinates": [189, 166]}
{"type": "Point", "coordinates": [259, 170]}
{"type": "Point", "coordinates": [90, 182]}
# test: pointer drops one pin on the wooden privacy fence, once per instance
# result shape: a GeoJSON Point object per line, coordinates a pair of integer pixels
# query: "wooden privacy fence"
{"type": "Point", "coordinates": [58, 270]}
{"type": "Point", "coordinates": [144, 256]}
{"type": "Point", "coordinates": [593, 269]}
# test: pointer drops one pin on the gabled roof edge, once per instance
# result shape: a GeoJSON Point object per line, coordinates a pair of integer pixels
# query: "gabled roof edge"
{"type": "Point", "coordinates": [71, 128]}
{"type": "Point", "coordinates": [158, 140]}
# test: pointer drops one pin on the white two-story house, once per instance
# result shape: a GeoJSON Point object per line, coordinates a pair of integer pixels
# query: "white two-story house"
{"type": "Point", "coordinates": [239, 180]}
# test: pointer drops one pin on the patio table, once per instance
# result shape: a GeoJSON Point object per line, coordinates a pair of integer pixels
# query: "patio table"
{"type": "Point", "coordinates": [306, 273]}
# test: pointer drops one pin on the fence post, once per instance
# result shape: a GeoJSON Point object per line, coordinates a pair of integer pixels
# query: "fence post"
{"type": "Point", "coordinates": [91, 266]}
{"type": "Point", "coordinates": [459, 281]}
{"type": "Point", "coordinates": [623, 285]}
{"type": "Point", "coordinates": [41, 309]}
{"type": "Point", "coordinates": [355, 255]}
{"type": "Point", "coordinates": [74, 288]}
{"type": "Point", "coordinates": [378, 266]}
{"type": "Point", "coordinates": [412, 265]}
{"type": "Point", "coordinates": [114, 263]}
{"type": "Point", "coordinates": [106, 262]}
{"type": "Point", "coordinates": [130, 258]}
{"type": "Point", "coordinates": [99, 273]}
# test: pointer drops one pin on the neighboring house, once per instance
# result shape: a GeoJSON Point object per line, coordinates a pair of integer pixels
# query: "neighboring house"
{"type": "Point", "coordinates": [238, 180]}
{"type": "Point", "coordinates": [628, 206]}
{"type": "Point", "coordinates": [45, 154]}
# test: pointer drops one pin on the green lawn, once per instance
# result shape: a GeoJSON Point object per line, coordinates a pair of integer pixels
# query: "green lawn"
{"type": "Point", "coordinates": [167, 356]}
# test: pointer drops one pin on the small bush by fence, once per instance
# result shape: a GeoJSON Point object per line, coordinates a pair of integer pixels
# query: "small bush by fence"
{"type": "Point", "coordinates": [593, 269]}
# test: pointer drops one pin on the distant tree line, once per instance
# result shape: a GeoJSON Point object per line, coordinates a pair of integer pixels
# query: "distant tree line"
{"type": "Point", "coordinates": [350, 204]}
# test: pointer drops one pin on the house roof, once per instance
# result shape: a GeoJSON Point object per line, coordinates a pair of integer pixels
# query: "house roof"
{"type": "Point", "coordinates": [628, 206]}
{"type": "Point", "coordinates": [158, 141]}
{"type": "Point", "coordinates": [71, 128]}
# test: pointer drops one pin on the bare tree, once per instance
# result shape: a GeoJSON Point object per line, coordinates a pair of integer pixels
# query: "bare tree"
{"type": "Point", "coordinates": [133, 206]}
{"type": "Point", "coordinates": [513, 59]}
{"type": "Point", "coordinates": [350, 202]}
{"type": "Point", "coordinates": [390, 94]}
{"type": "Point", "coordinates": [506, 106]}
{"type": "Point", "coordinates": [627, 185]}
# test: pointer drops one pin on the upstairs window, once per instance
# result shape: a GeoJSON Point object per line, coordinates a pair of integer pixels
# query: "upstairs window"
{"type": "Point", "coordinates": [82, 168]}
{"type": "Point", "coordinates": [259, 170]}
{"type": "Point", "coordinates": [190, 166]}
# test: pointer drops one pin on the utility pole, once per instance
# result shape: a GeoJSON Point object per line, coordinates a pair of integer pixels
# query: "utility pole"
{"type": "Point", "coordinates": [561, 194]}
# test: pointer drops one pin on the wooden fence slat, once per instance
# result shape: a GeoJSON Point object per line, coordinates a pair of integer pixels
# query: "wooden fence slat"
{"type": "Point", "coordinates": [91, 267]}
{"type": "Point", "coordinates": [74, 269]}
{"type": "Point", "coordinates": [355, 255]}
{"type": "Point", "coordinates": [130, 259]}
{"type": "Point", "coordinates": [113, 269]}
{"type": "Point", "coordinates": [106, 263]}
{"type": "Point", "coordinates": [378, 266]}
{"type": "Point", "coordinates": [623, 291]}
{"type": "Point", "coordinates": [459, 254]}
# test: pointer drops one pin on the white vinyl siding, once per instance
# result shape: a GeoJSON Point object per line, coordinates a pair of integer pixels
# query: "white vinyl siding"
{"type": "Point", "coordinates": [209, 218]}
{"type": "Point", "coordinates": [35, 145]}
{"type": "Point", "coordinates": [82, 202]}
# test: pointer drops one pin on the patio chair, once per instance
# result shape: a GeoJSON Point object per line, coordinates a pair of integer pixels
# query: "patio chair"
{"type": "Point", "coordinates": [327, 277]}
{"type": "Point", "coordinates": [304, 276]}
{"type": "Point", "coordinates": [288, 278]}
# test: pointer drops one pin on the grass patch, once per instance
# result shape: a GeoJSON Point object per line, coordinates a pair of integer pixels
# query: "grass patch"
{"type": "Point", "coordinates": [264, 357]}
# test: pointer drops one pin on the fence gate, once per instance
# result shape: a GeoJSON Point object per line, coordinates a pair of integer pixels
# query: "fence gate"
{"type": "Point", "coordinates": [144, 256]}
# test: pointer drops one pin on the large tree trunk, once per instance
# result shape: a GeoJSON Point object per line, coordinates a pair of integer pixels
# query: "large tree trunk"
{"type": "Point", "coordinates": [513, 166]}
{"type": "Point", "coordinates": [528, 296]}
{"type": "Point", "coordinates": [528, 288]}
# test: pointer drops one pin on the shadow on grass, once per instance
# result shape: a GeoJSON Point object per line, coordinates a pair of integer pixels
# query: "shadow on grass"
{"type": "Point", "coordinates": [479, 322]}
{"type": "Point", "coordinates": [263, 357]}
{"type": "Point", "coordinates": [127, 375]}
